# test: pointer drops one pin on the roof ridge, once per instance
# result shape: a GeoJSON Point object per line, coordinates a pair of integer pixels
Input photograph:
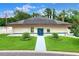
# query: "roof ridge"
{"type": "Point", "coordinates": [39, 20]}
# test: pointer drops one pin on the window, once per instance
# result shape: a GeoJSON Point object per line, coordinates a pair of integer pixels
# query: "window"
{"type": "Point", "coordinates": [32, 29]}
{"type": "Point", "coordinates": [48, 30]}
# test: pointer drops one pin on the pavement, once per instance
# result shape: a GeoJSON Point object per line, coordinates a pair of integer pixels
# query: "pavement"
{"type": "Point", "coordinates": [40, 44]}
{"type": "Point", "coordinates": [34, 53]}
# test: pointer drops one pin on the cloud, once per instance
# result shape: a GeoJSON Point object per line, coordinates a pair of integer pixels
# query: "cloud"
{"type": "Point", "coordinates": [7, 13]}
{"type": "Point", "coordinates": [58, 12]}
{"type": "Point", "coordinates": [25, 8]}
{"type": "Point", "coordinates": [10, 13]}
{"type": "Point", "coordinates": [41, 11]}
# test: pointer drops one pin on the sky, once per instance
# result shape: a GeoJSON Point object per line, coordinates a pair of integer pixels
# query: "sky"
{"type": "Point", "coordinates": [9, 8]}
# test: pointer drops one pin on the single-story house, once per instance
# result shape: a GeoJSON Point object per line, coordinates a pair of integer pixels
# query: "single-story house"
{"type": "Point", "coordinates": [40, 26]}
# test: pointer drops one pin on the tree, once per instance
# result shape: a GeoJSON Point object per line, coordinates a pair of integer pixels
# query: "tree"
{"type": "Point", "coordinates": [35, 14]}
{"type": "Point", "coordinates": [20, 15]}
{"type": "Point", "coordinates": [75, 23]}
{"type": "Point", "coordinates": [75, 12]}
{"type": "Point", "coordinates": [62, 15]}
{"type": "Point", "coordinates": [71, 16]}
{"type": "Point", "coordinates": [48, 12]}
{"type": "Point", "coordinates": [76, 19]}
{"type": "Point", "coordinates": [11, 19]}
{"type": "Point", "coordinates": [2, 22]}
{"type": "Point", "coordinates": [54, 14]}
{"type": "Point", "coordinates": [75, 29]}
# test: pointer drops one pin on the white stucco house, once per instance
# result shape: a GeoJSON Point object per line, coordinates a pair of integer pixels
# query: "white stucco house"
{"type": "Point", "coordinates": [40, 26]}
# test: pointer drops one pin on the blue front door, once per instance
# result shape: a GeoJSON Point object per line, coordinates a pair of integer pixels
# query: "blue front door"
{"type": "Point", "coordinates": [40, 31]}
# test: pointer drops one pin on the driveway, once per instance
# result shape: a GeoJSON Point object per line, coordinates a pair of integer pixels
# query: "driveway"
{"type": "Point", "coordinates": [40, 44]}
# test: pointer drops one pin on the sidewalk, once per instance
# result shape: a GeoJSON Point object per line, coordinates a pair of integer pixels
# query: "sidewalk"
{"type": "Point", "coordinates": [40, 44]}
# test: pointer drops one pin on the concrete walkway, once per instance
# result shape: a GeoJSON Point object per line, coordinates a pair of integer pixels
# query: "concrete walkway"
{"type": "Point", "coordinates": [40, 44]}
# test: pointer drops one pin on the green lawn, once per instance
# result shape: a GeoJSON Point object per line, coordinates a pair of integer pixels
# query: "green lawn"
{"type": "Point", "coordinates": [15, 43]}
{"type": "Point", "coordinates": [62, 44]}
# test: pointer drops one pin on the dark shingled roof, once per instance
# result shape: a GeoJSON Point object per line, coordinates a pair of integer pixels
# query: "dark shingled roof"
{"type": "Point", "coordinates": [39, 20]}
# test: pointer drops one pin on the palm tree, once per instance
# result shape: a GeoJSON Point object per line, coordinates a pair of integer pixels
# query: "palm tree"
{"type": "Point", "coordinates": [54, 14]}
{"type": "Point", "coordinates": [48, 12]}
{"type": "Point", "coordinates": [62, 15]}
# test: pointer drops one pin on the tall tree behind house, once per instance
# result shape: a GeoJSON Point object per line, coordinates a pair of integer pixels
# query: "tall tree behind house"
{"type": "Point", "coordinates": [48, 12]}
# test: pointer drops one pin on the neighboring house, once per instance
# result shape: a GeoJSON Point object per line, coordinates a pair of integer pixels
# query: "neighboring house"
{"type": "Point", "coordinates": [40, 26]}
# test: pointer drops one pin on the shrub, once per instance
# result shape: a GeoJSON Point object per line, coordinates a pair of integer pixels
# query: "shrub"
{"type": "Point", "coordinates": [55, 35]}
{"type": "Point", "coordinates": [76, 34]}
{"type": "Point", "coordinates": [25, 36]}
{"type": "Point", "coordinates": [75, 29]}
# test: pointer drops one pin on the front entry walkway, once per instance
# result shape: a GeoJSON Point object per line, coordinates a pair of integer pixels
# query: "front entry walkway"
{"type": "Point", "coordinates": [40, 44]}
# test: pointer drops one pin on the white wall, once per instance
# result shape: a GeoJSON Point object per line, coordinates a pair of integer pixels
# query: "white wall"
{"type": "Point", "coordinates": [21, 30]}
{"type": "Point", "coordinates": [53, 29]}
{"type": "Point", "coordinates": [56, 28]}
{"type": "Point", "coordinates": [5, 30]}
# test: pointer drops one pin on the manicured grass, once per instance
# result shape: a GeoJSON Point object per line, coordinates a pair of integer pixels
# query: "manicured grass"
{"type": "Point", "coordinates": [62, 44]}
{"type": "Point", "coordinates": [15, 43]}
